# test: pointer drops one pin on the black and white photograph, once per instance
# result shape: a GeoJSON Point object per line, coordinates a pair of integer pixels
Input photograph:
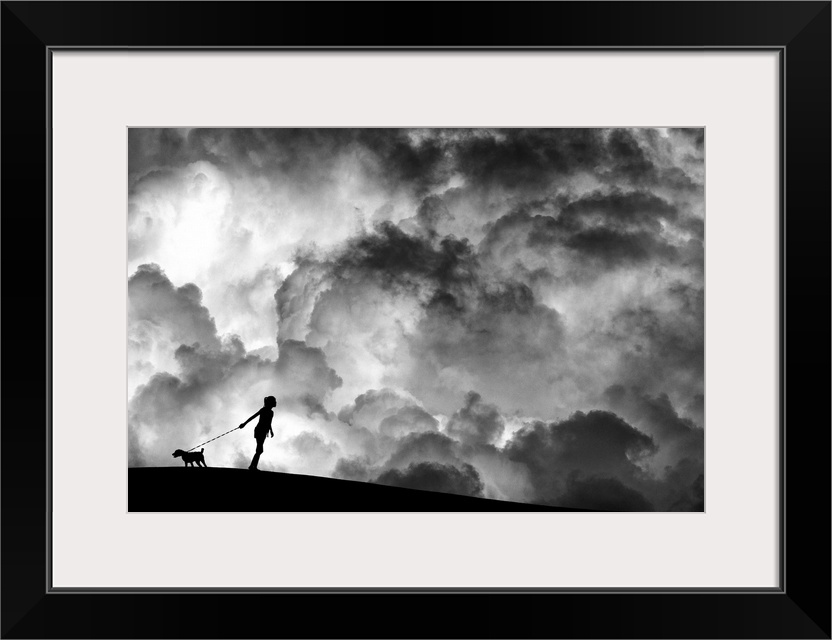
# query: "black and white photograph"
{"type": "Point", "coordinates": [415, 319]}
{"type": "Point", "coordinates": [299, 306]}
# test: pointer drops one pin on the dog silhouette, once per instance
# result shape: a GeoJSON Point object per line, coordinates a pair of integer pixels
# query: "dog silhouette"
{"type": "Point", "coordinates": [191, 457]}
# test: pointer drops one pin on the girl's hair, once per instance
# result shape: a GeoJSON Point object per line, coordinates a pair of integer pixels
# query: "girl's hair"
{"type": "Point", "coordinates": [270, 401]}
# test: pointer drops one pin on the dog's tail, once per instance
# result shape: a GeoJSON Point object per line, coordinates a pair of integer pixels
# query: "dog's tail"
{"type": "Point", "coordinates": [201, 450]}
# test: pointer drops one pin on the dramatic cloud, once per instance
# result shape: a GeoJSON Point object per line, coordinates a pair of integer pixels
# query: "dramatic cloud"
{"type": "Point", "coordinates": [476, 422]}
{"type": "Point", "coordinates": [598, 443]}
{"type": "Point", "coordinates": [601, 494]}
{"type": "Point", "coordinates": [509, 313]}
{"type": "Point", "coordinates": [431, 476]}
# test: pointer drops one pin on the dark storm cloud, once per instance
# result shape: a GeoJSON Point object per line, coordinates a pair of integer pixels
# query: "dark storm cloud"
{"type": "Point", "coordinates": [614, 248]}
{"type": "Point", "coordinates": [531, 160]}
{"type": "Point", "coordinates": [418, 439]}
{"type": "Point", "coordinates": [484, 309]}
{"type": "Point", "coordinates": [517, 158]}
{"type": "Point", "coordinates": [498, 334]}
{"type": "Point", "coordinates": [477, 422]}
{"type": "Point", "coordinates": [431, 476]}
{"type": "Point", "coordinates": [627, 155]}
{"type": "Point", "coordinates": [307, 156]}
{"type": "Point", "coordinates": [420, 165]}
{"type": "Point", "coordinates": [656, 412]}
{"type": "Point", "coordinates": [594, 443]}
{"type": "Point", "coordinates": [509, 159]}
{"type": "Point", "coordinates": [601, 231]}
{"type": "Point", "coordinates": [636, 157]}
{"type": "Point", "coordinates": [236, 149]}
{"type": "Point", "coordinates": [619, 210]}
{"type": "Point", "coordinates": [685, 487]}
{"type": "Point", "coordinates": [696, 409]}
{"type": "Point", "coordinates": [469, 320]}
{"type": "Point", "coordinates": [449, 271]}
{"type": "Point", "coordinates": [678, 463]}
{"type": "Point", "coordinates": [435, 447]}
{"type": "Point", "coordinates": [662, 343]}
{"type": "Point", "coordinates": [357, 469]}
{"type": "Point", "coordinates": [519, 230]}
{"type": "Point", "coordinates": [398, 259]}
{"type": "Point", "coordinates": [329, 291]}
{"type": "Point", "coordinates": [678, 438]}
{"type": "Point", "coordinates": [148, 149]}
{"type": "Point", "coordinates": [601, 493]}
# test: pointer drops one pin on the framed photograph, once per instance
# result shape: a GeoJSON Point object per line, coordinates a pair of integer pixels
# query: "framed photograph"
{"type": "Point", "coordinates": [487, 311]}
{"type": "Point", "coordinates": [505, 319]}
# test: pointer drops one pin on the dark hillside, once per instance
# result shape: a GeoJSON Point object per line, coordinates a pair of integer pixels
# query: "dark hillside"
{"type": "Point", "coordinates": [220, 489]}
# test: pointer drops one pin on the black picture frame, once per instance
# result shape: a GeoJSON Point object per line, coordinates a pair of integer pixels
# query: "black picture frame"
{"type": "Point", "coordinates": [798, 608]}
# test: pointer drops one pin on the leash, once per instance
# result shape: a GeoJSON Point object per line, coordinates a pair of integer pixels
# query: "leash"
{"type": "Point", "coordinates": [212, 439]}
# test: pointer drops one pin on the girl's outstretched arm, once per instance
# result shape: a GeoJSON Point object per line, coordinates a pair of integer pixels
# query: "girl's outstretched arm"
{"type": "Point", "coordinates": [249, 420]}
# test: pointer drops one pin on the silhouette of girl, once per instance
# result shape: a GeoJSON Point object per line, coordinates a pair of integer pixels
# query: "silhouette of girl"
{"type": "Point", "coordinates": [264, 426]}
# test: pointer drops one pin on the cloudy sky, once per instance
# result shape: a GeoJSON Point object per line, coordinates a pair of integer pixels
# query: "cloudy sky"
{"type": "Point", "coordinates": [515, 313]}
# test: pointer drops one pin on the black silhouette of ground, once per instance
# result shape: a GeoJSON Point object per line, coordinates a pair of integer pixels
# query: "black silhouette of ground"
{"type": "Point", "coordinates": [221, 489]}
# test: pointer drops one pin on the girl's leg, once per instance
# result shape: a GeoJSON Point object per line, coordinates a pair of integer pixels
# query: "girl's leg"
{"type": "Point", "coordinates": [257, 453]}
